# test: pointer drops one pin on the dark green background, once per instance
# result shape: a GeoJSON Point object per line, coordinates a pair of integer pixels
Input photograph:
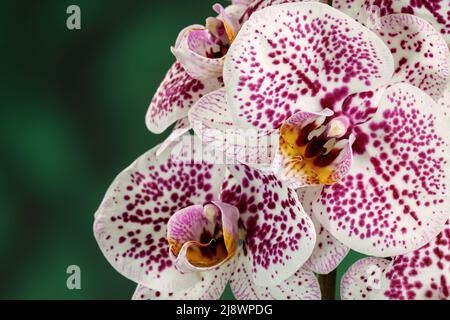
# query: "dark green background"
{"type": "Point", "coordinates": [72, 117]}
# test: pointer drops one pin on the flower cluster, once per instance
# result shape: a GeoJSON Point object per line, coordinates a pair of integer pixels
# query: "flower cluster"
{"type": "Point", "coordinates": [301, 131]}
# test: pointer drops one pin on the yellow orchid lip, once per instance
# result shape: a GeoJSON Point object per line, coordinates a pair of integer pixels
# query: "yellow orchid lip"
{"type": "Point", "coordinates": [207, 255]}
{"type": "Point", "coordinates": [213, 243]}
{"type": "Point", "coordinates": [309, 150]}
{"type": "Point", "coordinates": [211, 253]}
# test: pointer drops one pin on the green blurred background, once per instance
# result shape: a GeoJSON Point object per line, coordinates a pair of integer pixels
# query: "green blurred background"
{"type": "Point", "coordinates": [72, 117]}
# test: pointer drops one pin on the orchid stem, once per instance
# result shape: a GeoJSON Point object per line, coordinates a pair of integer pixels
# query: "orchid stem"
{"type": "Point", "coordinates": [328, 285]}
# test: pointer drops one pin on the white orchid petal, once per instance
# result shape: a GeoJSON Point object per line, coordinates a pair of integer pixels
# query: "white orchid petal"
{"type": "Point", "coordinates": [280, 236]}
{"type": "Point", "coordinates": [300, 57]}
{"type": "Point", "coordinates": [368, 12]}
{"type": "Point", "coordinates": [210, 287]}
{"type": "Point", "coordinates": [177, 93]}
{"type": "Point", "coordinates": [214, 125]}
{"type": "Point", "coordinates": [420, 53]}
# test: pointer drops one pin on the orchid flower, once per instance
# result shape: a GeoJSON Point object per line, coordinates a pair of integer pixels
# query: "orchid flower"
{"type": "Point", "coordinates": [172, 223]}
{"type": "Point", "coordinates": [350, 110]}
{"type": "Point", "coordinates": [131, 223]}
{"type": "Point", "coordinates": [200, 52]}
{"type": "Point", "coordinates": [198, 70]}
{"type": "Point", "coordinates": [201, 49]}
{"type": "Point", "coordinates": [421, 274]}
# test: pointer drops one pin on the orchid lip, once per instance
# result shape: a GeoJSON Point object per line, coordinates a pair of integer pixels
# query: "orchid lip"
{"type": "Point", "coordinates": [312, 146]}
{"type": "Point", "coordinates": [202, 237]}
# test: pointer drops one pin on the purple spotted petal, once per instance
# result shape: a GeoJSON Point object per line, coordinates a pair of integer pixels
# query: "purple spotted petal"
{"type": "Point", "coordinates": [328, 251]}
{"type": "Point", "coordinates": [231, 191]}
{"type": "Point", "coordinates": [176, 94]}
{"type": "Point", "coordinates": [422, 274]}
{"type": "Point", "coordinates": [211, 287]}
{"type": "Point", "coordinates": [213, 122]}
{"type": "Point", "coordinates": [360, 107]}
{"type": "Point", "coordinates": [363, 278]}
{"type": "Point", "coordinates": [131, 224]}
{"type": "Point", "coordinates": [303, 285]}
{"type": "Point", "coordinates": [300, 57]}
{"type": "Point", "coordinates": [420, 53]}
{"type": "Point", "coordinates": [196, 50]}
{"type": "Point", "coordinates": [436, 12]}
{"type": "Point", "coordinates": [395, 198]}
{"type": "Point", "coordinates": [279, 234]}
{"type": "Point", "coordinates": [181, 127]}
